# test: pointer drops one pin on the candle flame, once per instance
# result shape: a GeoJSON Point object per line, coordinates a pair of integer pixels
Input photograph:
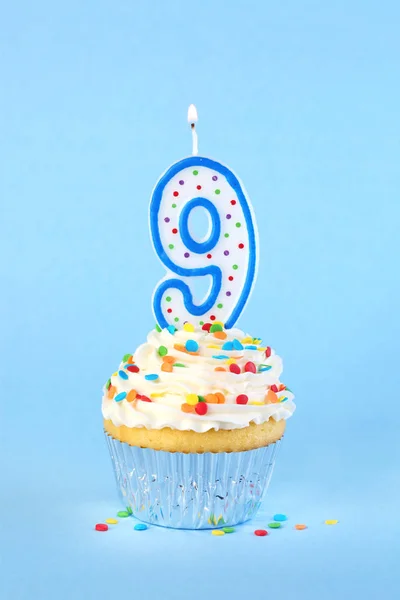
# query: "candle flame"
{"type": "Point", "coordinates": [192, 114]}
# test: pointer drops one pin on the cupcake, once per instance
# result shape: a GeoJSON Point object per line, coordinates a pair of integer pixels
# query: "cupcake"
{"type": "Point", "coordinates": [193, 419]}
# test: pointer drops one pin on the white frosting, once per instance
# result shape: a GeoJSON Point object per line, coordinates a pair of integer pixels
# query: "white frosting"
{"type": "Point", "coordinates": [168, 392]}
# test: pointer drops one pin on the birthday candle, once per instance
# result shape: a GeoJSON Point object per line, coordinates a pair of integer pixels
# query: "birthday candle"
{"type": "Point", "coordinates": [227, 254]}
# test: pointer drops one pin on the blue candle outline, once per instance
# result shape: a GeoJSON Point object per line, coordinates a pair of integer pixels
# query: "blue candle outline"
{"type": "Point", "coordinates": [214, 271]}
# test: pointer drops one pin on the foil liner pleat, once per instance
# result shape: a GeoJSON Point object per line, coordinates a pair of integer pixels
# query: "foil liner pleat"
{"type": "Point", "coordinates": [191, 491]}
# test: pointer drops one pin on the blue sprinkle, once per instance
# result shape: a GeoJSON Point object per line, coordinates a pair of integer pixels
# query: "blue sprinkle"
{"type": "Point", "coordinates": [280, 517]}
{"type": "Point", "coordinates": [250, 347]}
{"type": "Point", "coordinates": [140, 527]}
{"type": "Point", "coordinates": [262, 368]}
{"type": "Point", "coordinates": [191, 346]}
{"type": "Point", "coordinates": [283, 399]}
{"type": "Point", "coordinates": [220, 356]}
{"type": "Point", "coordinates": [120, 397]}
{"type": "Point", "coordinates": [151, 376]}
{"type": "Point", "coordinates": [171, 329]}
{"type": "Point", "coordinates": [237, 345]}
{"type": "Point", "coordinates": [123, 375]}
{"type": "Point", "coordinates": [227, 346]}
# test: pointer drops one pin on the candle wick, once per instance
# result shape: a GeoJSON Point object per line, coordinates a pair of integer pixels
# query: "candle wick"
{"type": "Point", "coordinates": [195, 147]}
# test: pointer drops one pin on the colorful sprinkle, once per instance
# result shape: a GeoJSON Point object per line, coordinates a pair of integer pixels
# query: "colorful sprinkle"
{"type": "Point", "coordinates": [218, 532]}
{"type": "Point", "coordinates": [171, 329]}
{"type": "Point", "coordinates": [214, 178]}
{"type": "Point", "coordinates": [261, 532]}
{"type": "Point", "coordinates": [126, 357]}
{"type": "Point", "coordinates": [250, 367]}
{"type": "Point", "coordinates": [131, 396]}
{"type": "Point", "coordinates": [101, 527]}
{"type": "Point", "coordinates": [111, 521]}
{"type": "Point", "coordinates": [132, 368]}
{"type": "Point", "coordinates": [234, 368]}
{"type": "Point", "coordinates": [179, 365]}
{"type": "Point", "coordinates": [331, 522]}
{"type": "Point", "coordinates": [158, 328]}
{"type": "Point", "coordinates": [280, 517]}
{"type": "Point", "coordinates": [238, 224]}
{"type": "Point", "coordinates": [227, 346]}
{"type": "Point", "coordinates": [300, 526]}
{"type": "Point", "coordinates": [119, 397]}
{"type": "Point", "coordinates": [151, 376]}
{"type": "Point", "coordinates": [268, 352]}
{"type": "Point", "coordinates": [123, 375]}
{"type": "Point", "coordinates": [122, 514]}
{"type": "Point", "coordinates": [162, 351]}
{"type": "Point", "coordinates": [140, 527]}
{"type": "Point", "coordinates": [201, 408]}
{"type": "Point", "coordinates": [212, 399]}
{"type": "Point", "coordinates": [220, 335]}
{"type": "Point", "coordinates": [228, 529]}
{"type": "Point", "coordinates": [237, 345]}
{"type": "Point", "coordinates": [274, 525]}
{"type": "Point", "coordinates": [187, 408]}
{"type": "Point", "coordinates": [108, 384]}
{"type": "Point", "coordinates": [206, 327]}
{"type": "Point", "coordinates": [263, 368]}
{"type": "Point", "coordinates": [188, 327]}
{"type": "Point", "coordinates": [274, 388]}
{"type": "Point", "coordinates": [250, 347]}
{"type": "Point", "coordinates": [215, 327]}
{"type": "Point", "coordinates": [242, 399]}
{"type": "Point", "coordinates": [220, 356]}
{"type": "Point", "coordinates": [195, 172]}
{"type": "Point", "coordinates": [192, 399]}
{"type": "Point", "coordinates": [191, 346]}
{"type": "Point", "coordinates": [217, 192]}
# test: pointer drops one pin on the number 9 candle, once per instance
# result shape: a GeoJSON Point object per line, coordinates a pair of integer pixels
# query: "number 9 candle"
{"type": "Point", "coordinates": [227, 254]}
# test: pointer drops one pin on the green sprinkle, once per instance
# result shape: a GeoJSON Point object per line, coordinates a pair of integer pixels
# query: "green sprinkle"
{"type": "Point", "coordinates": [178, 365]}
{"type": "Point", "coordinates": [108, 384]}
{"type": "Point", "coordinates": [168, 298]}
{"type": "Point", "coordinates": [221, 520]}
{"type": "Point", "coordinates": [216, 327]}
{"type": "Point", "coordinates": [235, 267]}
{"type": "Point", "coordinates": [217, 192]}
{"type": "Point", "coordinates": [122, 514]}
{"type": "Point", "coordinates": [171, 246]}
{"type": "Point", "coordinates": [220, 305]}
{"type": "Point", "coordinates": [173, 205]}
{"type": "Point", "coordinates": [158, 328]}
{"type": "Point", "coordinates": [176, 319]}
{"type": "Point", "coordinates": [201, 322]}
{"type": "Point", "coordinates": [226, 235]}
{"type": "Point", "coordinates": [129, 510]}
{"type": "Point", "coordinates": [238, 224]}
{"type": "Point", "coordinates": [126, 357]}
{"type": "Point", "coordinates": [201, 398]}
{"type": "Point", "coordinates": [274, 525]}
{"type": "Point", "coordinates": [195, 172]}
{"type": "Point", "coordinates": [162, 351]}
{"type": "Point", "coordinates": [228, 529]}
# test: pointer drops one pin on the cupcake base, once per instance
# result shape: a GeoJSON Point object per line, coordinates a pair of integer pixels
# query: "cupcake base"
{"type": "Point", "coordinates": [191, 490]}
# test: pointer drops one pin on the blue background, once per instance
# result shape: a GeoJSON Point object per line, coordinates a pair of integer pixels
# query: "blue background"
{"type": "Point", "coordinates": [302, 100]}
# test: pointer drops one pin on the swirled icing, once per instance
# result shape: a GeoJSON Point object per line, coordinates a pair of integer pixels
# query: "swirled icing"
{"type": "Point", "coordinates": [194, 373]}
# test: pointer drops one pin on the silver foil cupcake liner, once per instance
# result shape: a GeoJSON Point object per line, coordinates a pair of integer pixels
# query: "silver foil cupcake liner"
{"type": "Point", "coordinates": [191, 491]}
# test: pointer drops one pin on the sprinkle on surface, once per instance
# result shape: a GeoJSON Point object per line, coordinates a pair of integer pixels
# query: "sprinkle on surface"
{"type": "Point", "coordinates": [331, 522]}
{"type": "Point", "coordinates": [119, 397]}
{"type": "Point", "coordinates": [151, 376]}
{"type": "Point", "coordinates": [280, 517]}
{"type": "Point", "coordinates": [228, 529]}
{"type": "Point", "coordinates": [261, 532]}
{"type": "Point", "coordinates": [123, 374]}
{"type": "Point", "coordinates": [300, 526]}
{"type": "Point", "coordinates": [140, 527]}
{"type": "Point", "coordinates": [274, 525]}
{"type": "Point", "coordinates": [122, 514]}
{"type": "Point", "coordinates": [101, 527]}
{"type": "Point", "coordinates": [218, 532]}
{"type": "Point", "coordinates": [112, 521]}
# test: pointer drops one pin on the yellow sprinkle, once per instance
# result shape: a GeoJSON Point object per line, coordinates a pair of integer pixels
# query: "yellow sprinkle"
{"type": "Point", "coordinates": [247, 340]}
{"type": "Point", "coordinates": [218, 323]}
{"type": "Point", "coordinates": [192, 399]}
{"type": "Point", "coordinates": [230, 361]}
{"type": "Point", "coordinates": [262, 349]}
{"type": "Point", "coordinates": [156, 395]}
{"type": "Point", "coordinates": [331, 522]}
{"type": "Point", "coordinates": [218, 532]}
{"type": "Point", "coordinates": [213, 346]}
{"type": "Point", "coordinates": [114, 374]}
{"type": "Point", "coordinates": [255, 403]}
{"type": "Point", "coordinates": [111, 521]}
{"type": "Point", "coordinates": [188, 327]}
{"type": "Point", "coordinates": [256, 341]}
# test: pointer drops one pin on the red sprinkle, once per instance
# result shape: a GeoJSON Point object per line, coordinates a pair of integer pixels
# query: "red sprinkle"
{"type": "Point", "coordinates": [169, 310]}
{"type": "Point", "coordinates": [234, 368]}
{"type": "Point", "coordinates": [209, 255]}
{"type": "Point", "coordinates": [101, 527]}
{"type": "Point", "coordinates": [133, 369]}
{"type": "Point", "coordinates": [274, 388]}
{"type": "Point", "coordinates": [142, 397]}
{"type": "Point", "coordinates": [174, 230]}
{"type": "Point", "coordinates": [206, 327]}
{"type": "Point", "coordinates": [201, 408]}
{"type": "Point", "coordinates": [242, 399]}
{"type": "Point", "coordinates": [230, 278]}
{"type": "Point", "coordinates": [176, 194]}
{"type": "Point", "coordinates": [241, 246]}
{"type": "Point", "coordinates": [212, 318]}
{"type": "Point", "coordinates": [250, 367]}
{"type": "Point", "coordinates": [268, 352]}
{"type": "Point", "coordinates": [199, 187]}
{"type": "Point", "coordinates": [261, 532]}
{"type": "Point", "coordinates": [233, 202]}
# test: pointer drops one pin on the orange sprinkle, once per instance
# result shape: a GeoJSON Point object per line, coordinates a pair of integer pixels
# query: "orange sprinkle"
{"type": "Point", "coordinates": [300, 526]}
{"type": "Point", "coordinates": [211, 398]}
{"type": "Point", "coordinates": [169, 359]}
{"type": "Point", "coordinates": [130, 360]}
{"type": "Point", "coordinates": [131, 396]}
{"type": "Point", "coordinates": [180, 348]}
{"type": "Point", "coordinates": [282, 387]}
{"type": "Point", "coordinates": [219, 369]}
{"type": "Point", "coordinates": [271, 397]}
{"type": "Point", "coordinates": [111, 391]}
{"type": "Point", "coordinates": [167, 367]}
{"type": "Point", "coordinates": [187, 408]}
{"type": "Point", "coordinates": [221, 397]}
{"type": "Point", "coordinates": [220, 335]}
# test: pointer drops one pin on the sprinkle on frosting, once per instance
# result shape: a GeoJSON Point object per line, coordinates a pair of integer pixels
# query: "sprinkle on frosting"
{"type": "Point", "coordinates": [197, 379]}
